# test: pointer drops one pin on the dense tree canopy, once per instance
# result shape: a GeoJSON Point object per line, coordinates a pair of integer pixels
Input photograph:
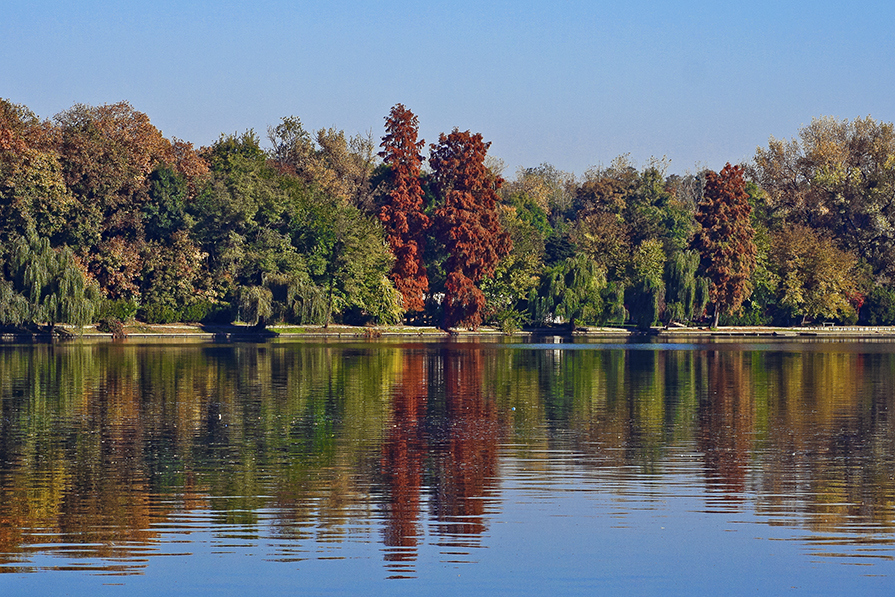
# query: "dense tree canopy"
{"type": "Point", "coordinates": [103, 216]}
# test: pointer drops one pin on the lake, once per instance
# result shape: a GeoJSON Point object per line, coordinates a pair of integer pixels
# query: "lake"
{"type": "Point", "coordinates": [500, 467]}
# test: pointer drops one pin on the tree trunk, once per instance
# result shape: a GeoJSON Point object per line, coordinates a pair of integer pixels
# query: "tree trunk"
{"type": "Point", "coordinates": [329, 304]}
{"type": "Point", "coordinates": [717, 315]}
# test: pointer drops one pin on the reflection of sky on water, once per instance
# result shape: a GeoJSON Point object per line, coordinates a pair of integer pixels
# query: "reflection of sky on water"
{"type": "Point", "coordinates": [562, 529]}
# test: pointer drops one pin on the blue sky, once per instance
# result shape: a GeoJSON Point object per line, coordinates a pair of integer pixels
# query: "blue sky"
{"type": "Point", "coordinates": [570, 83]}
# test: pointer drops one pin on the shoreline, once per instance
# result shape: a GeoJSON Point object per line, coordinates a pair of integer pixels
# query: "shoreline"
{"type": "Point", "coordinates": [237, 333]}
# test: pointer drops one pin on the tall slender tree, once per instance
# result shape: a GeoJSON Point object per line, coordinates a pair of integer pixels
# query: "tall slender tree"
{"type": "Point", "coordinates": [467, 223]}
{"type": "Point", "coordinates": [402, 212]}
{"type": "Point", "coordinates": [726, 241]}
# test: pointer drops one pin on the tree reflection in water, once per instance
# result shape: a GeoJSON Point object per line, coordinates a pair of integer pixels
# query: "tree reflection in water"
{"type": "Point", "coordinates": [106, 450]}
{"type": "Point", "coordinates": [403, 457]}
{"type": "Point", "coordinates": [455, 440]}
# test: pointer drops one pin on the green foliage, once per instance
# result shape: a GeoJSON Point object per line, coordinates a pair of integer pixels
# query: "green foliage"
{"type": "Point", "coordinates": [33, 194]}
{"type": "Point", "coordinates": [510, 321]}
{"type": "Point", "coordinates": [703, 296]}
{"type": "Point", "coordinates": [156, 313]}
{"type": "Point", "coordinates": [530, 213]}
{"type": "Point", "coordinates": [648, 261]}
{"type": "Point", "coordinates": [839, 175]}
{"type": "Point", "coordinates": [255, 304]}
{"type": "Point", "coordinates": [348, 258]}
{"type": "Point", "coordinates": [97, 200]}
{"type": "Point", "coordinates": [603, 237]}
{"type": "Point", "coordinates": [614, 310]}
{"type": "Point", "coordinates": [236, 152]}
{"type": "Point", "coordinates": [43, 285]}
{"type": "Point", "coordinates": [200, 311]}
{"type": "Point", "coordinates": [570, 292]}
{"type": "Point", "coordinates": [645, 296]}
{"type": "Point", "coordinates": [205, 312]}
{"type": "Point", "coordinates": [384, 305]}
{"type": "Point", "coordinates": [680, 277]}
{"type": "Point", "coordinates": [645, 300]}
{"type": "Point", "coordinates": [14, 308]}
{"type": "Point", "coordinates": [121, 309]}
{"type": "Point", "coordinates": [172, 272]}
{"type": "Point", "coordinates": [879, 308]}
{"type": "Point", "coordinates": [752, 313]}
{"type": "Point", "coordinates": [165, 212]}
{"type": "Point", "coordinates": [558, 247]}
{"type": "Point", "coordinates": [818, 280]}
{"type": "Point", "coordinates": [517, 274]}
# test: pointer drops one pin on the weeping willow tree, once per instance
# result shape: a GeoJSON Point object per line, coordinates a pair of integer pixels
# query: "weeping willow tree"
{"type": "Point", "coordinates": [296, 299]}
{"type": "Point", "coordinates": [571, 291]}
{"type": "Point", "coordinates": [43, 285]}
{"type": "Point", "coordinates": [645, 300]}
{"type": "Point", "coordinates": [255, 304]}
{"type": "Point", "coordinates": [686, 292]}
{"type": "Point", "coordinates": [614, 309]}
{"type": "Point", "coordinates": [646, 295]}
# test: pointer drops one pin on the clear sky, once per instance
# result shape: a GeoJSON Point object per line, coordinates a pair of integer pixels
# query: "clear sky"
{"type": "Point", "coordinates": [571, 83]}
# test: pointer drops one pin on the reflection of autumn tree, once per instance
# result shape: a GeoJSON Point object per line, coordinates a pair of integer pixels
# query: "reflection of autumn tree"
{"type": "Point", "coordinates": [466, 452]}
{"type": "Point", "coordinates": [323, 413]}
{"type": "Point", "coordinates": [831, 436]}
{"type": "Point", "coordinates": [403, 454]}
{"type": "Point", "coordinates": [726, 421]}
{"type": "Point", "coordinates": [99, 444]}
{"type": "Point", "coordinates": [106, 502]}
{"type": "Point", "coordinates": [647, 404]}
{"type": "Point", "coordinates": [73, 459]}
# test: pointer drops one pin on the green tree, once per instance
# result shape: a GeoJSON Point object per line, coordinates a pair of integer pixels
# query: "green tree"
{"type": "Point", "coordinates": [645, 295]}
{"type": "Point", "coordinates": [339, 166]}
{"type": "Point", "coordinates": [245, 215]}
{"type": "Point", "coordinates": [681, 285]}
{"type": "Point", "coordinates": [349, 260]}
{"type": "Point", "coordinates": [818, 280]}
{"type": "Point", "coordinates": [551, 190]}
{"type": "Point", "coordinates": [165, 211]}
{"type": "Point", "coordinates": [571, 292]}
{"type": "Point", "coordinates": [508, 289]}
{"type": "Point", "coordinates": [45, 286]}
{"type": "Point", "coordinates": [838, 175]}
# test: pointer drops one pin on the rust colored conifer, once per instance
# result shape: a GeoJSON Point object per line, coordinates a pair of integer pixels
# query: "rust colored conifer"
{"type": "Point", "coordinates": [726, 242]}
{"type": "Point", "coordinates": [402, 212]}
{"type": "Point", "coordinates": [467, 223]}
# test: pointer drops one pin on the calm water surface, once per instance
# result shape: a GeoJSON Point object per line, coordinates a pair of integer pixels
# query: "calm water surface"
{"type": "Point", "coordinates": [491, 468]}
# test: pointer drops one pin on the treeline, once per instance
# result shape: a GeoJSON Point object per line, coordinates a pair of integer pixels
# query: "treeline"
{"type": "Point", "coordinates": [103, 219]}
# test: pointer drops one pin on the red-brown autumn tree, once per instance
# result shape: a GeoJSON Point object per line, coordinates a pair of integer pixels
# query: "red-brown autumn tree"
{"type": "Point", "coordinates": [467, 223]}
{"type": "Point", "coordinates": [402, 212]}
{"type": "Point", "coordinates": [726, 241]}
